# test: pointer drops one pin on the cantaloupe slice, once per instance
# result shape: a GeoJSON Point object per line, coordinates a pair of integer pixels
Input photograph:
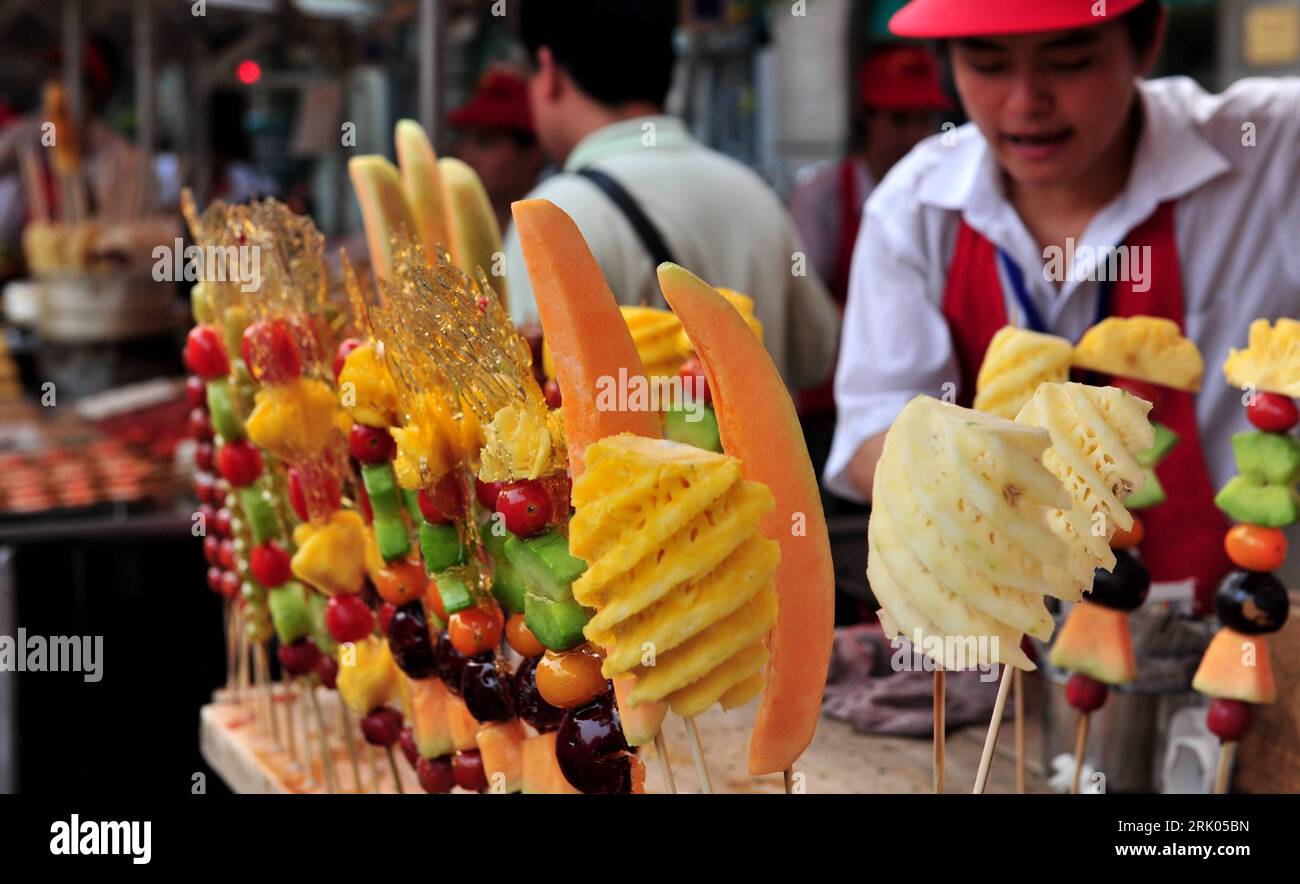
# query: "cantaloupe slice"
{"type": "Point", "coordinates": [427, 709]}
{"type": "Point", "coordinates": [1095, 640]}
{"type": "Point", "coordinates": [384, 210]}
{"type": "Point", "coordinates": [422, 182]}
{"type": "Point", "coordinates": [591, 347]}
{"type": "Point", "coordinates": [759, 426]}
{"type": "Point", "coordinates": [464, 727]}
{"type": "Point", "coordinates": [471, 223]}
{"type": "Point", "coordinates": [501, 743]}
{"type": "Point", "coordinates": [1236, 667]}
{"type": "Point", "coordinates": [542, 775]}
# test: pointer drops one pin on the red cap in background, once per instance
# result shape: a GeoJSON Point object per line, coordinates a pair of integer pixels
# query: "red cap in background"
{"type": "Point", "coordinates": [974, 18]}
{"type": "Point", "coordinates": [499, 102]}
{"type": "Point", "coordinates": [902, 78]}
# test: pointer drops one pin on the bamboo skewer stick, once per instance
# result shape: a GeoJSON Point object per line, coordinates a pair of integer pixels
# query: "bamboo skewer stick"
{"type": "Point", "coordinates": [376, 782]}
{"type": "Point", "coordinates": [326, 756]}
{"type": "Point", "coordinates": [268, 690]}
{"type": "Point", "coordinates": [940, 730]}
{"type": "Point", "coordinates": [1018, 687]}
{"type": "Point", "coordinates": [346, 722]}
{"type": "Point", "coordinates": [666, 766]}
{"type": "Point", "coordinates": [306, 733]}
{"type": "Point", "coordinates": [789, 780]}
{"type": "Point", "coordinates": [995, 725]}
{"type": "Point", "coordinates": [392, 765]}
{"type": "Point", "coordinates": [697, 752]}
{"type": "Point", "coordinates": [1080, 747]}
{"type": "Point", "coordinates": [1227, 750]}
{"type": "Point", "coordinates": [291, 701]}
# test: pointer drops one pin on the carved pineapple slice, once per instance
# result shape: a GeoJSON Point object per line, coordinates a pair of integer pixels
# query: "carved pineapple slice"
{"type": "Point", "coordinates": [1271, 361]}
{"type": "Point", "coordinates": [681, 579]}
{"type": "Point", "coordinates": [960, 552]}
{"type": "Point", "coordinates": [1145, 348]}
{"type": "Point", "coordinates": [1016, 362]}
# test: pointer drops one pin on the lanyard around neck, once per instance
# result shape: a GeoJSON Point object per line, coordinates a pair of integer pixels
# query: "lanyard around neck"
{"type": "Point", "coordinates": [1033, 318]}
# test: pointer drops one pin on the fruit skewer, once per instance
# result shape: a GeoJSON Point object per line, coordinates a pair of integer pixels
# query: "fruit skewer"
{"type": "Point", "coordinates": [1251, 602]}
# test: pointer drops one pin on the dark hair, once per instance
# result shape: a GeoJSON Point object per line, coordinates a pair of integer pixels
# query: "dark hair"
{"type": "Point", "coordinates": [1141, 22]}
{"type": "Point", "coordinates": [616, 52]}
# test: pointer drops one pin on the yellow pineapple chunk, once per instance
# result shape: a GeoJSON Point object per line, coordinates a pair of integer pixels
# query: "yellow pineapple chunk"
{"type": "Point", "coordinates": [677, 568]}
{"type": "Point", "coordinates": [743, 692]}
{"type": "Point", "coordinates": [1016, 362]}
{"type": "Point", "coordinates": [521, 443]}
{"type": "Point", "coordinates": [366, 388]}
{"type": "Point", "coordinates": [1271, 361]}
{"type": "Point", "coordinates": [1145, 348]}
{"type": "Point", "coordinates": [296, 420]}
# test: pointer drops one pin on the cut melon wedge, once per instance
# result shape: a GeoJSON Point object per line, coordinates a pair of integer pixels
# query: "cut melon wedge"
{"type": "Point", "coordinates": [759, 425]}
{"type": "Point", "coordinates": [1096, 641]}
{"type": "Point", "coordinates": [430, 724]}
{"type": "Point", "coordinates": [542, 775]}
{"type": "Point", "coordinates": [592, 348]}
{"type": "Point", "coordinates": [464, 727]}
{"type": "Point", "coordinates": [501, 744]}
{"type": "Point", "coordinates": [1237, 667]}
{"type": "Point", "coordinates": [422, 182]}
{"type": "Point", "coordinates": [471, 223]}
{"type": "Point", "coordinates": [384, 209]}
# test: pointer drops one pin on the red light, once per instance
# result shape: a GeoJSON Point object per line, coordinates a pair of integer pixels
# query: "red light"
{"type": "Point", "coordinates": [248, 72]}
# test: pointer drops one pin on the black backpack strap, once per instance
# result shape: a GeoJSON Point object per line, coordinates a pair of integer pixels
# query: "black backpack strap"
{"type": "Point", "coordinates": [645, 229]}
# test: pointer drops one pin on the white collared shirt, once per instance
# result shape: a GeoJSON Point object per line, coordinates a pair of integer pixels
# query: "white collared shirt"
{"type": "Point", "coordinates": [718, 219]}
{"type": "Point", "coordinates": [1237, 226]}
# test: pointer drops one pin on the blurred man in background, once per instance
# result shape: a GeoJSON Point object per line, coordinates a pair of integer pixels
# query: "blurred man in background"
{"type": "Point", "coordinates": [642, 190]}
{"type": "Point", "coordinates": [496, 138]}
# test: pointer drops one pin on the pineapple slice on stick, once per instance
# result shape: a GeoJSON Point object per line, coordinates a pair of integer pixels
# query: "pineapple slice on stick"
{"type": "Point", "coordinates": [960, 549]}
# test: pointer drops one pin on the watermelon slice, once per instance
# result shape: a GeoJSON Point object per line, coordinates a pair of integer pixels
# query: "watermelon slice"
{"type": "Point", "coordinates": [1096, 641]}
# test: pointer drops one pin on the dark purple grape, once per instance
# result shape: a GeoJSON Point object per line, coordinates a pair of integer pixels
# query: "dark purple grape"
{"type": "Point", "coordinates": [407, 741]}
{"type": "Point", "coordinates": [591, 750]}
{"type": "Point", "coordinates": [533, 708]}
{"type": "Point", "coordinates": [436, 774]}
{"type": "Point", "coordinates": [467, 770]}
{"type": "Point", "coordinates": [448, 662]}
{"type": "Point", "coordinates": [1253, 602]}
{"type": "Point", "coordinates": [1125, 588]}
{"type": "Point", "coordinates": [408, 639]}
{"type": "Point", "coordinates": [485, 684]}
{"type": "Point", "coordinates": [299, 658]}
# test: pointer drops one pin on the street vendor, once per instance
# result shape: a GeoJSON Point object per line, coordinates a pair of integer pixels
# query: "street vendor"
{"type": "Point", "coordinates": [1069, 147]}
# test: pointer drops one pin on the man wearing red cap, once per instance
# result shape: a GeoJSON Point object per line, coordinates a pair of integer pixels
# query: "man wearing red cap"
{"type": "Point", "coordinates": [1070, 148]}
{"type": "Point", "coordinates": [497, 140]}
{"type": "Point", "coordinates": [899, 97]}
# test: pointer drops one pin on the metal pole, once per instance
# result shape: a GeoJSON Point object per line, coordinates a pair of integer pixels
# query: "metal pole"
{"type": "Point", "coordinates": [72, 57]}
{"type": "Point", "coordinates": [143, 46]}
{"type": "Point", "coordinates": [430, 23]}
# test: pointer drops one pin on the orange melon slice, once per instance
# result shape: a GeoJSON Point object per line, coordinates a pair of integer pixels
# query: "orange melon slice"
{"type": "Point", "coordinates": [759, 426]}
{"type": "Point", "coordinates": [384, 209]}
{"type": "Point", "coordinates": [542, 775]}
{"type": "Point", "coordinates": [1237, 667]}
{"type": "Point", "coordinates": [464, 727]}
{"type": "Point", "coordinates": [591, 346]}
{"type": "Point", "coordinates": [501, 743]}
{"type": "Point", "coordinates": [430, 724]}
{"type": "Point", "coordinates": [1095, 640]}
{"type": "Point", "coordinates": [422, 182]}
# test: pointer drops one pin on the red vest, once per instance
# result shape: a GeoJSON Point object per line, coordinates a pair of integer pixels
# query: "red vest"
{"type": "Point", "coordinates": [1184, 535]}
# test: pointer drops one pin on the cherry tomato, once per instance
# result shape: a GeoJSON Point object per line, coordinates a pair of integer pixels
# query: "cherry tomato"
{"type": "Point", "coordinates": [214, 579]}
{"type": "Point", "coordinates": [348, 618]}
{"type": "Point", "coordinates": [240, 463]}
{"type": "Point", "coordinates": [1229, 719]}
{"type": "Point", "coordinates": [433, 514]}
{"type": "Point", "coordinates": [487, 493]}
{"type": "Point", "coordinates": [476, 629]}
{"type": "Point", "coordinates": [341, 354]}
{"type": "Point", "coordinates": [1130, 538]}
{"type": "Point", "coordinates": [211, 548]}
{"type": "Point", "coordinates": [525, 506]}
{"type": "Point", "coordinates": [1255, 548]}
{"type": "Point", "coordinates": [270, 351]}
{"type": "Point", "coordinates": [270, 564]}
{"type": "Point", "coordinates": [196, 392]}
{"type": "Point", "coordinates": [1141, 389]}
{"type": "Point", "coordinates": [200, 425]}
{"type": "Point", "coordinates": [223, 522]}
{"type": "Point", "coordinates": [570, 678]}
{"type": "Point", "coordinates": [371, 444]}
{"type": "Point", "coordinates": [203, 456]}
{"type": "Point", "coordinates": [230, 583]}
{"type": "Point", "coordinates": [205, 353]}
{"type": "Point", "coordinates": [1084, 693]}
{"type": "Point", "coordinates": [401, 581]}
{"type": "Point", "coordinates": [1273, 413]}
{"type": "Point", "coordinates": [552, 393]}
{"type": "Point", "coordinates": [521, 638]}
